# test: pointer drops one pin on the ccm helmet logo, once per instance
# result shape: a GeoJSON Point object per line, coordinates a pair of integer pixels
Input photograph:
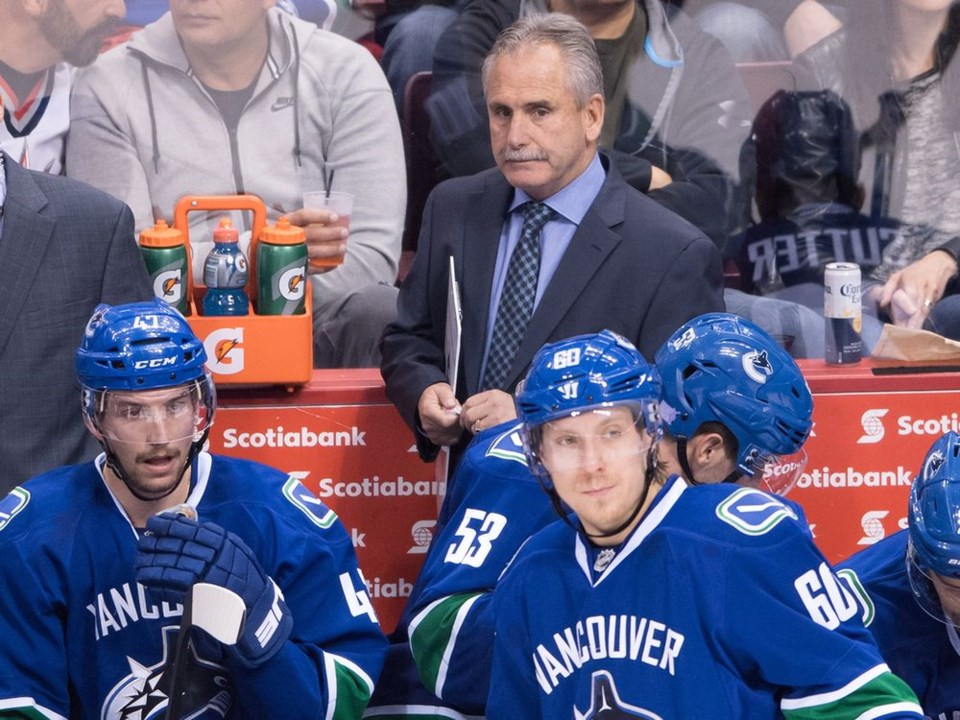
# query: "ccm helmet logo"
{"type": "Point", "coordinates": [153, 363]}
{"type": "Point", "coordinates": [873, 430]}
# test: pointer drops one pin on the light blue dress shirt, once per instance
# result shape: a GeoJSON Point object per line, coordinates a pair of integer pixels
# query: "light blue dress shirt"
{"type": "Point", "coordinates": [571, 204]}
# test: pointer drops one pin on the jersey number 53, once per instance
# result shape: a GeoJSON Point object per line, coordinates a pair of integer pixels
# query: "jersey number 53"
{"type": "Point", "coordinates": [477, 532]}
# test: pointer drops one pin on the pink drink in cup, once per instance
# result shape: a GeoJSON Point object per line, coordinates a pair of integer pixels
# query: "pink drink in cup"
{"type": "Point", "coordinates": [340, 203]}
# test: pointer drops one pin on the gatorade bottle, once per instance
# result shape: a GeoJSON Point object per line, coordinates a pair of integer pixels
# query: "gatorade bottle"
{"type": "Point", "coordinates": [282, 269]}
{"type": "Point", "coordinates": [225, 274]}
{"type": "Point", "coordinates": [165, 255]}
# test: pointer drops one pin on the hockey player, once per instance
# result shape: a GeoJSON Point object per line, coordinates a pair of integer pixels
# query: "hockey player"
{"type": "Point", "coordinates": [496, 503]}
{"type": "Point", "coordinates": [93, 580]}
{"type": "Point", "coordinates": [735, 406]}
{"type": "Point", "coordinates": [658, 600]}
{"type": "Point", "coordinates": [909, 585]}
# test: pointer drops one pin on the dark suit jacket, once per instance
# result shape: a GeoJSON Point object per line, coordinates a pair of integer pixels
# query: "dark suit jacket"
{"type": "Point", "coordinates": [65, 247]}
{"type": "Point", "coordinates": [632, 267]}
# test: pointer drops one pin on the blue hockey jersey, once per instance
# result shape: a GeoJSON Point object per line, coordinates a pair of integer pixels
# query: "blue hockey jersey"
{"type": "Point", "coordinates": [494, 506]}
{"type": "Point", "coordinates": [921, 650]}
{"type": "Point", "coordinates": [81, 639]}
{"type": "Point", "coordinates": [718, 605]}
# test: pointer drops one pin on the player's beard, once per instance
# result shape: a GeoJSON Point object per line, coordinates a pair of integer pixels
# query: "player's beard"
{"type": "Point", "coordinates": [61, 30]}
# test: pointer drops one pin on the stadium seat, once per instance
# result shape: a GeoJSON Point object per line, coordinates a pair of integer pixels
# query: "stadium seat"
{"type": "Point", "coordinates": [421, 161]}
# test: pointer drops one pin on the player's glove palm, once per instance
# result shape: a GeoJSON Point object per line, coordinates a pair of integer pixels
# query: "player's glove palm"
{"type": "Point", "coordinates": [176, 552]}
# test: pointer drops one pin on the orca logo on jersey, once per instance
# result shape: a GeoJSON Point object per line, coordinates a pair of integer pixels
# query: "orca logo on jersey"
{"type": "Point", "coordinates": [757, 366]}
{"type": "Point", "coordinates": [753, 512]}
{"type": "Point", "coordinates": [141, 694]}
{"type": "Point", "coordinates": [319, 514]}
{"type": "Point", "coordinates": [605, 702]}
{"type": "Point", "coordinates": [508, 446]}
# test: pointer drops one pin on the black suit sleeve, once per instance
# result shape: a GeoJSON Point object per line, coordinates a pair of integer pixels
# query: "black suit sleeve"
{"type": "Point", "coordinates": [125, 275]}
{"type": "Point", "coordinates": [412, 346]}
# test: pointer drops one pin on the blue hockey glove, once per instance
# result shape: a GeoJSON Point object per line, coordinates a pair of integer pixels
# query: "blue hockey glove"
{"type": "Point", "coordinates": [176, 552]}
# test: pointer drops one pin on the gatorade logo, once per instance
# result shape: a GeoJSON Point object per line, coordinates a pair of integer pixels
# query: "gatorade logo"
{"type": "Point", "coordinates": [168, 286]}
{"type": "Point", "coordinates": [873, 429]}
{"type": "Point", "coordinates": [292, 284]}
{"type": "Point", "coordinates": [224, 348]}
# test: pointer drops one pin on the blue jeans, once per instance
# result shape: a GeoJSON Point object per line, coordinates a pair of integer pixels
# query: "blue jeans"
{"type": "Point", "coordinates": [944, 318]}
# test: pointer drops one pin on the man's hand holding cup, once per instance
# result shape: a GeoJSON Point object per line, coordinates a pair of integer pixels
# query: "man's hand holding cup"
{"type": "Point", "coordinates": [325, 218]}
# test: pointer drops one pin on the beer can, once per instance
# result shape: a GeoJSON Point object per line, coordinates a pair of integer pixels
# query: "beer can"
{"type": "Point", "coordinates": [842, 313]}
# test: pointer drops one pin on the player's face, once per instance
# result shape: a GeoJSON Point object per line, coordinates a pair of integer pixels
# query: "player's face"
{"type": "Point", "coordinates": [77, 28]}
{"type": "Point", "coordinates": [150, 432]}
{"type": "Point", "coordinates": [597, 461]}
{"type": "Point", "coordinates": [948, 590]}
{"type": "Point", "coordinates": [213, 24]}
{"type": "Point", "coordinates": [541, 140]}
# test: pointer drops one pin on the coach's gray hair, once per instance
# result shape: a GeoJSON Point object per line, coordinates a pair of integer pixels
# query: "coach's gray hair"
{"type": "Point", "coordinates": [584, 72]}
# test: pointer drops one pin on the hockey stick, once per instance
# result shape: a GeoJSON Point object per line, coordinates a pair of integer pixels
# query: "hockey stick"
{"type": "Point", "coordinates": [214, 609]}
{"type": "Point", "coordinates": [176, 686]}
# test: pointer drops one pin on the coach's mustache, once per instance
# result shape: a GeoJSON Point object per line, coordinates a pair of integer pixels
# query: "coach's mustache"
{"type": "Point", "coordinates": [508, 155]}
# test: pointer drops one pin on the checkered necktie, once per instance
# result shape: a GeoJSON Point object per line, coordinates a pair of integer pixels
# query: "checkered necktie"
{"type": "Point", "coordinates": [516, 300]}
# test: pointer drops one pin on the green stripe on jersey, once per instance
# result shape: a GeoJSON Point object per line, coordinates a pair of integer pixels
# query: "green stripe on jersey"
{"type": "Point", "coordinates": [353, 693]}
{"type": "Point", "coordinates": [431, 634]}
{"type": "Point", "coordinates": [884, 693]}
{"type": "Point", "coordinates": [22, 713]}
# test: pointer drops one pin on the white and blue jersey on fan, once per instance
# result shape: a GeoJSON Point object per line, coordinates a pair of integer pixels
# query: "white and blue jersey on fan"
{"type": "Point", "coordinates": [717, 605]}
{"type": "Point", "coordinates": [494, 506]}
{"type": "Point", "coordinates": [921, 650]}
{"type": "Point", "coordinates": [81, 639]}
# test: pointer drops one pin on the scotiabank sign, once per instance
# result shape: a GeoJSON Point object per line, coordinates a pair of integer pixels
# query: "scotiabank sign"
{"type": "Point", "coordinates": [863, 456]}
{"type": "Point", "coordinates": [358, 459]}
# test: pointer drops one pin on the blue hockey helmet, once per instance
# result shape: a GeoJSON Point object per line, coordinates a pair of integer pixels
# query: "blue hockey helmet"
{"type": "Point", "coordinates": [720, 367]}
{"type": "Point", "coordinates": [138, 346]}
{"type": "Point", "coordinates": [141, 346]}
{"type": "Point", "coordinates": [583, 373]}
{"type": "Point", "coordinates": [934, 522]}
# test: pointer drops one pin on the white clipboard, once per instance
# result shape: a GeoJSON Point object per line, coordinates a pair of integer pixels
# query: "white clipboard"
{"type": "Point", "coordinates": [452, 342]}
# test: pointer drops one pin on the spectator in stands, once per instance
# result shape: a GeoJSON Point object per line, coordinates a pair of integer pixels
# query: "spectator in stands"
{"type": "Point", "coordinates": [893, 66]}
{"type": "Point", "coordinates": [676, 111]}
{"type": "Point", "coordinates": [233, 97]}
{"type": "Point", "coordinates": [409, 30]}
{"type": "Point", "coordinates": [144, 12]}
{"type": "Point", "coordinates": [319, 12]}
{"type": "Point", "coordinates": [908, 585]}
{"type": "Point", "coordinates": [808, 196]}
{"type": "Point", "coordinates": [64, 248]}
{"type": "Point", "coordinates": [767, 30]}
{"type": "Point", "coordinates": [610, 256]}
{"type": "Point", "coordinates": [38, 43]}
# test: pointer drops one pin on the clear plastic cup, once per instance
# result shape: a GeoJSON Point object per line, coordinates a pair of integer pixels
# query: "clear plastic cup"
{"type": "Point", "coordinates": [340, 203]}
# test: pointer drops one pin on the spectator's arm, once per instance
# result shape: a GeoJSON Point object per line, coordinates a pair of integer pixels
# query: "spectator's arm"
{"type": "Point", "coordinates": [100, 148]}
